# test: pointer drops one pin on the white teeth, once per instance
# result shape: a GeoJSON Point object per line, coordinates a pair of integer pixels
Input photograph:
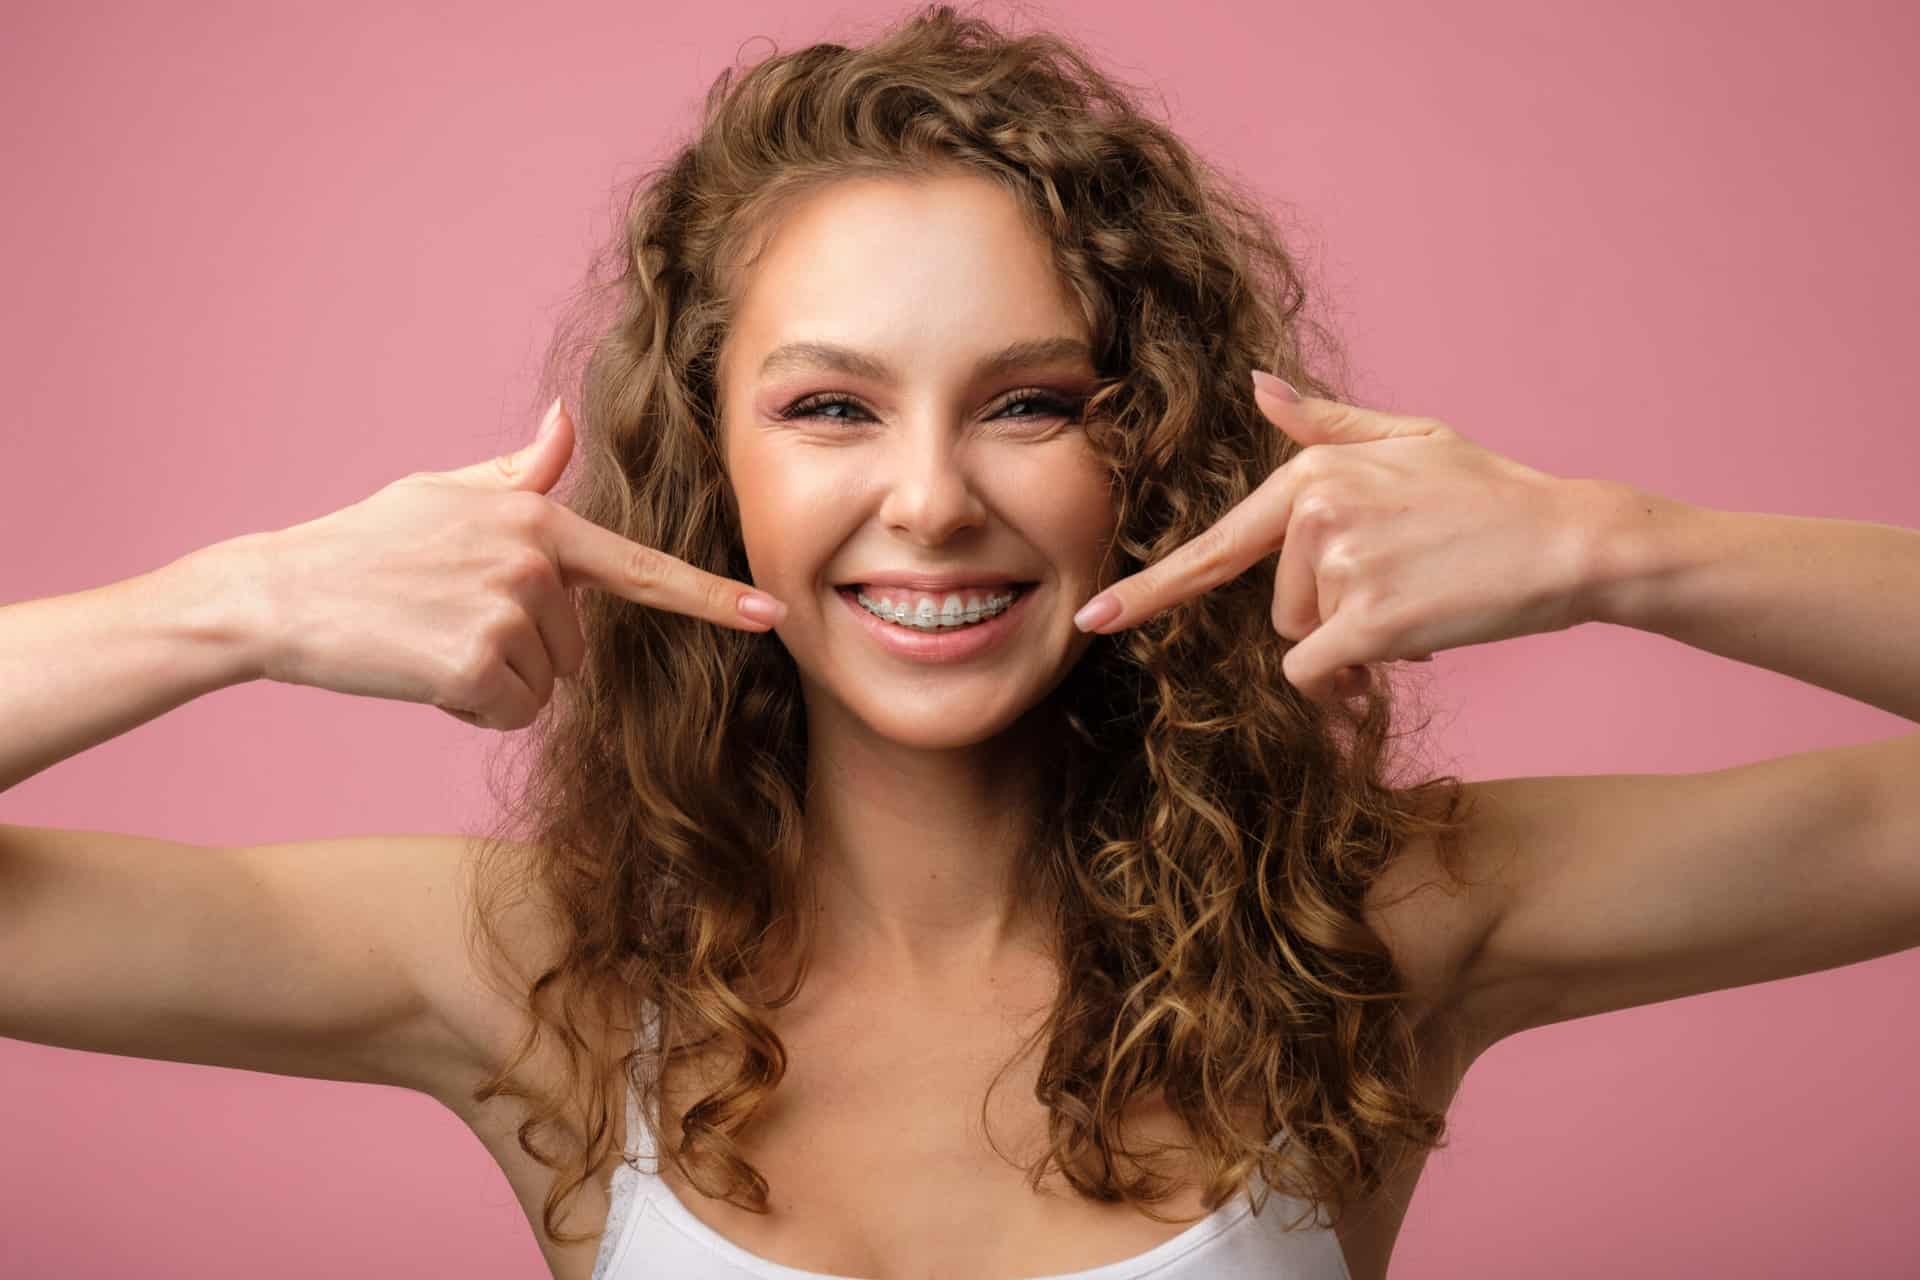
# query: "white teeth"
{"type": "Point", "coordinates": [926, 616]}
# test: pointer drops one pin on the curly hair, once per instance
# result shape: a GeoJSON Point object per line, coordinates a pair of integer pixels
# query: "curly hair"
{"type": "Point", "coordinates": [1216, 832]}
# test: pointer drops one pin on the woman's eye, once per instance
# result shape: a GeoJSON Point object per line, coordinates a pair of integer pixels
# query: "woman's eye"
{"type": "Point", "coordinates": [1049, 406]}
{"type": "Point", "coordinates": [813, 407]}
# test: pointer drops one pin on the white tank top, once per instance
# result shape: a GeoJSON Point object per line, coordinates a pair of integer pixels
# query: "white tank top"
{"type": "Point", "coordinates": [650, 1233]}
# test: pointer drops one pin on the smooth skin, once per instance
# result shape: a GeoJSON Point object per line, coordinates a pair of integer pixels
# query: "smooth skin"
{"type": "Point", "coordinates": [1592, 893]}
{"type": "Point", "coordinates": [919, 458]}
{"type": "Point", "coordinates": [453, 588]}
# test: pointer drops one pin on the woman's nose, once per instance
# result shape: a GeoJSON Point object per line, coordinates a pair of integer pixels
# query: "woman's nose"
{"type": "Point", "coordinates": [929, 495]}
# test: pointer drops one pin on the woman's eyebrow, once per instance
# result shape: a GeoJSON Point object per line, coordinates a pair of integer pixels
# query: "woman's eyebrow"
{"type": "Point", "coordinates": [862, 364]}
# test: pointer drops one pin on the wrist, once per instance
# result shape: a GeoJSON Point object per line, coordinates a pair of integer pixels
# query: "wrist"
{"type": "Point", "coordinates": [1631, 552]}
{"type": "Point", "coordinates": [223, 603]}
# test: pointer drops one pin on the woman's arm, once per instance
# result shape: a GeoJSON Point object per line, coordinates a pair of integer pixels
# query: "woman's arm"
{"type": "Point", "coordinates": [1611, 891]}
{"type": "Point", "coordinates": [1835, 603]}
{"type": "Point", "coordinates": [78, 669]}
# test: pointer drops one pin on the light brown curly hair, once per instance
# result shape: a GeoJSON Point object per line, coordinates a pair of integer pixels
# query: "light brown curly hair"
{"type": "Point", "coordinates": [1216, 831]}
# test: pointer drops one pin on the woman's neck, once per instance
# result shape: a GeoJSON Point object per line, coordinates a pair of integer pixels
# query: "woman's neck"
{"type": "Point", "coordinates": [915, 853]}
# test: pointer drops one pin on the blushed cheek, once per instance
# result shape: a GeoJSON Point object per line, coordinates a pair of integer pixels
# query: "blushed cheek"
{"type": "Point", "coordinates": [762, 548]}
{"type": "Point", "coordinates": [775, 532]}
{"type": "Point", "coordinates": [756, 521]}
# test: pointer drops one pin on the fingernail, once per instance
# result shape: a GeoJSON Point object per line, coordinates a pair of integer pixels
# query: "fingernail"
{"type": "Point", "coordinates": [1273, 386]}
{"type": "Point", "coordinates": [761, 608]}
{"type": "Point", "coordinates": [548, 423]}
{"type": "Point", "coordinates": [1096, 611]}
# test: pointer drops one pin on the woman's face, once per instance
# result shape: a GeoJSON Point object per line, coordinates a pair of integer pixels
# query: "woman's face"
{"type": "Point", "coordinates": [906, 464]}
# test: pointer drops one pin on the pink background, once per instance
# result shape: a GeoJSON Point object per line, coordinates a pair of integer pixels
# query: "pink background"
{"type": "Point", "coordinates": [261, 259]}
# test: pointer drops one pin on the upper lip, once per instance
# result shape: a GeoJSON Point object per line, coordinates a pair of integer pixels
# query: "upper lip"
{"type": "Point", "coordinates": [936, 581]}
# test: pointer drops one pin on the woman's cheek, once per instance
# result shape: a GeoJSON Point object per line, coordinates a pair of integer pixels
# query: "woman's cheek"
{"type": "Point", "coordinates": [784, 526]}
{"type": "Point", "coordinates": [756, 529]}
{"type": "Point", "coordinates": [767, 555]}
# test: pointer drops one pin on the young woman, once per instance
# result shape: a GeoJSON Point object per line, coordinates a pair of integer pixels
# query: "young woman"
{"type": "Point", "coordinates": [1008, 881]}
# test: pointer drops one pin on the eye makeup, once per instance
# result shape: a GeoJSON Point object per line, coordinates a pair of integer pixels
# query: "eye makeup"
{"type": "Point", "coordinates": [1053, 405]}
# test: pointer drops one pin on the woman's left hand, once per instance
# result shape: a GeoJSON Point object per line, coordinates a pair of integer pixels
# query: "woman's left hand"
{"type": "Point", "coordinates": [1398, 538]}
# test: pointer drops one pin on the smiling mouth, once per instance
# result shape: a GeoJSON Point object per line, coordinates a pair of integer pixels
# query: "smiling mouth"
{"type": "Point", "coordinates": [928, 611]}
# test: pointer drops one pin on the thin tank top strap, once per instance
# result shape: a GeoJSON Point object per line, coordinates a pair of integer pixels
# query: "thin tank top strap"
{"type": "Point", "coordinates": [639, 1139]}
{"type": "Point", "coordinates": [634, 1168]}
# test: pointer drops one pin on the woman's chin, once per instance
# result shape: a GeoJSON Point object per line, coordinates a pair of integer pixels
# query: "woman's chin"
{"type": "Point", "coordinates": [934, 731]}
{"type": "Point", "coordinates": [941, 710]}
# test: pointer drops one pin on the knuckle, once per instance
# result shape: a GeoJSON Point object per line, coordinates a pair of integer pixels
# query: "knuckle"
{"type": "Point", "coordinates": [474, 668]}
{"type": "Point", "coordinates": [1317, 510]}
{"type": "Point", "coordinates": [503, 625]}
{"type": "Point", "coordinates": [1294, 622]}
{"type": "Point", "coordinates": [1350, 417]}
{"type": "Point", "coordinates": [527, 568]}
{"type": "Point", "coordinates": [507, 465]}
{"type": "Point", "coordinates": [1338, 556]}
{"type": "Point", "coordinates": [1214, 550]}
{"type": "Point", "coordinates": [524, 511]}
{"type": "Point", "coordinates": [1339, 569]}
{"type": "Point", "coordinates": [1307, 460]}
{"type": "Point", "coordinates": [473, 686]}
{"type": "Point", "coordinates": [645, 567]}
{"type": "Point", "coordinates": [718, 593]}
{"type": "Point", "coordinates": [467, 685]}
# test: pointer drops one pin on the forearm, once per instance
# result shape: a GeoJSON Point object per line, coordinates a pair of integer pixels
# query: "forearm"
{"type": "Point", "coordinates": [76, 670]}
{"type": "Point", "coordinates": [1835, 603]}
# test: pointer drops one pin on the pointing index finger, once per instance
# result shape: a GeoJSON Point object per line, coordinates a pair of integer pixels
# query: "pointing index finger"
{"type": "Point", "coordinates": [1221, 553]}
{"type": "Point", "coordinates": [597, 557]}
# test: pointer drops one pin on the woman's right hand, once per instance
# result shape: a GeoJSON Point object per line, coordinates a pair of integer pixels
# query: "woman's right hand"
{"type": "Point", "coordinates": [451, 588]}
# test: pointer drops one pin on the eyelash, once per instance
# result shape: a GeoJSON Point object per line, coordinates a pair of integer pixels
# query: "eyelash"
{"type": "Point", "coordinates": [809, 406]}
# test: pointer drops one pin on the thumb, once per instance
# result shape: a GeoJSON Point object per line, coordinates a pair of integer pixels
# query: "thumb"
{"type": "Point", "coordinates": [534, 467]}
{"type": "Point", "coordinates": [1311, 420]}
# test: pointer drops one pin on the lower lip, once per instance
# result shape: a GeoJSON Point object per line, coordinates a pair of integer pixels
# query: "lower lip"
{"type": "Point", "coordinates": [954, 644]}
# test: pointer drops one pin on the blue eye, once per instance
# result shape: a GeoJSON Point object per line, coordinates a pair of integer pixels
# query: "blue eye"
{"type": "Point", "coordinates": [810, 407]}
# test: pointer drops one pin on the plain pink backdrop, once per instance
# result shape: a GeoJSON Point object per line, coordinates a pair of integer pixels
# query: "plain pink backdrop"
{"type": "Point", "coordinates": [261, 259]}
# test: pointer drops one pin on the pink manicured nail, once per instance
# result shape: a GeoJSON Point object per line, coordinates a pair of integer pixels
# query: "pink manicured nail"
{"type": "Point", "coordinates": [1273, 386]}
{"type": "Point", "coordinates": [761, 608]}
{"type": "Point", "coordinates": [1096, 611]}
{"type": "Point", "coordinates": [548, 423]}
